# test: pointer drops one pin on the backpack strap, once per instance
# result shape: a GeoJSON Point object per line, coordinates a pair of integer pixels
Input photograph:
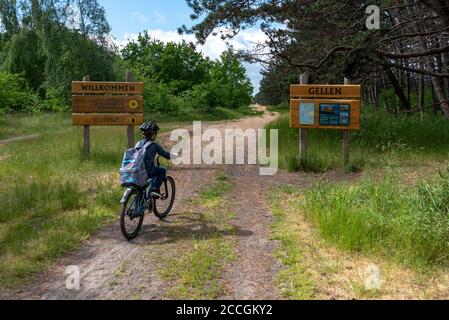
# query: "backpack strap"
{"type": "Point", "coordinates": [149, 143]}
{"type": "Point", "coordinates": [145, 146]}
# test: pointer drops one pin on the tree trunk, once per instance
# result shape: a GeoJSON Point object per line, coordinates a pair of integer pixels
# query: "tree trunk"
{"type": "Point", "coordinates": [404, 103]}
{"type": "Point", "coordinates": [434, 98]}
{"type": "Point", "coordinates": [439, 91]}
{"type": "Point", "coordinates": [422, 92]}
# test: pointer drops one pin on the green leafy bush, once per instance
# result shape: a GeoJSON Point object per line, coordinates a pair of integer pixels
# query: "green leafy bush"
{"type": "Point", "coordinates": [178, 77]}
{"type": "Point", "coordinates": [54, 102]}
{"type": "Point", "coordinates": [14, 95]}
{"type": "Point", "coordinates": [159, 97]}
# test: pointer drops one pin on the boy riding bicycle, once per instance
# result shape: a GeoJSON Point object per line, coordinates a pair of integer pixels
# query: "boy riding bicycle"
{"type": "Point", "coordinates": [149, 132]}
{"type": "Point", "coordinates": [138, 172]}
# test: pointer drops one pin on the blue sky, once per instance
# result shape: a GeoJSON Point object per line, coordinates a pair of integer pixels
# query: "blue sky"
{"type": "Point", "coordinates": [133, 16]}
{"type": "Point", "coordinates": [162, 18]}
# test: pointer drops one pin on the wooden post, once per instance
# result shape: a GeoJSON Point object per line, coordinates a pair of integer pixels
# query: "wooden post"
{"type": "Point", "coordinates": [86, 134]}
{"type": "Point", "coordinates": [130, 129]}
{"type": "Point", "coordinates": [303, 133]}
{"type": "Point", "coordinates": [346, 137]}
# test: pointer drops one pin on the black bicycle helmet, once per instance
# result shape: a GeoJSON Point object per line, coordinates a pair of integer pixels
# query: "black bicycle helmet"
{"type": "Point", "coordinates": [148, 128]}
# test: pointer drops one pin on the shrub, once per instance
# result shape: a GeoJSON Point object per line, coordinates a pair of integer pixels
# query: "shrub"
{"type": "Point", "coordinates": [54, 102]}
{"type": "Point", "coordinates": [14, 95]}
{"type": "Point", "coordinates": [159, 97]}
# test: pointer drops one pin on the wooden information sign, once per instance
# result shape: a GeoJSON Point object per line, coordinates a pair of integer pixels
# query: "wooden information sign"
{"type": "Point", "coordinates": [333, 107]}
{"type": "Point", "coordinates": [325, 91]}
{"type": "Point", "coordinates": [107, 104]}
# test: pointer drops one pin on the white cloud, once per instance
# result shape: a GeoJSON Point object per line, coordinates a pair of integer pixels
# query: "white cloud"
{"type": "Point", "coordinates": [214, 46]}
{"type": "Point", "coordinates": [247, 39]}
{"type": "Point", "coordinates": [139, 16]}
{"type": "Point", "coordinates": [160, 18]}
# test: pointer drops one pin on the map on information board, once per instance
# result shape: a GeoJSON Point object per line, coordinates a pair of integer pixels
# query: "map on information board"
{"type": "Point", "coordinates": [334, 114]}
{"type": "Point", "coordinates": [307, 113]}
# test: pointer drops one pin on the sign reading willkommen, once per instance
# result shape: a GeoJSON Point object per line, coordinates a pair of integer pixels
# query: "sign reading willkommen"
{"type": "Point", "coordinates": [325, 107]}
{"type": "Point", "coordinates": [107, 103]}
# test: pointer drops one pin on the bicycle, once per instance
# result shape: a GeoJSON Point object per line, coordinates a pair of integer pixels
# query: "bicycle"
{"type": "Point", "coordinates": [136, 202]}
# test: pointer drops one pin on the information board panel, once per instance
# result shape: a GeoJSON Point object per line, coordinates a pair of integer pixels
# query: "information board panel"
{"type": "Point", "coordinates": [327, 114]}
{"type": "Point", "coordinates": [107, 104]}
{"type": "Point", "coordinates": [307, 113]}
{"type": "Point", "coordinates": [334, 114]}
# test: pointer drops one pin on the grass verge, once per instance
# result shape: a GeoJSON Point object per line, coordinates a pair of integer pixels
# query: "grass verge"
{"type": "Point", "coordinates": [52, 200]}
{"type": "Point", "coordinates": [197, 272]}
{"type": "Point", "coordinates": [316, 267]}
{"type": "Point", "coordinates": [385, 217]}
{"type": "Point", "coordinates": [21, 124]}
{"type": "Point", "coordinates": [294, 281]}
{"type": "Point", "coordinates": [384, 140]}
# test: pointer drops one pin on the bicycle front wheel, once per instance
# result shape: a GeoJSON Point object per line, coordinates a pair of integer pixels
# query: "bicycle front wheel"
{"type": "Point", "coordinates": [130, 219]}
{"type": "Point", "coordinates": [163, 206]}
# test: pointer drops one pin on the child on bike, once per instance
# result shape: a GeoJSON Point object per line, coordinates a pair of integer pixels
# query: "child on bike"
{"type": "Point", "coordinates": [149, 132]}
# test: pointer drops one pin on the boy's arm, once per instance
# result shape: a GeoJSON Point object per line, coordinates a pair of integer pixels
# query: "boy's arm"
{"type": "Point", "coordinates": [163, 153]}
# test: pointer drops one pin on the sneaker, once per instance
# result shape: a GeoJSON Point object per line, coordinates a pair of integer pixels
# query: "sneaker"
{"type": "Point", "coordinates": [156, 194]}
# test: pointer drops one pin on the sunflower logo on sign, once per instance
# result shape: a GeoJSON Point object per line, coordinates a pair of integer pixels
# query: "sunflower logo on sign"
{"type": "Point", "coordinates": [133, 104]}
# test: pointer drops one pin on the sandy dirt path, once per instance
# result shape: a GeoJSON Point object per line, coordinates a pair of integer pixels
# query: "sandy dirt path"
{"type": "Point", "coordinates": [253, 273]}
{"type": "Point", "coordinates": [112, 268]}
{"type": "Point", "coordinates": [18, 139]}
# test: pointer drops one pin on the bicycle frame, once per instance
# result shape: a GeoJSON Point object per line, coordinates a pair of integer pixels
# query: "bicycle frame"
{"type": "Point", "coordinates": [142, 197]}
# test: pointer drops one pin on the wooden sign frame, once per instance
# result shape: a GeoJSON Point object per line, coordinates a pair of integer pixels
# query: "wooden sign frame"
{"type": "Point", "coordinates": [317, 95]}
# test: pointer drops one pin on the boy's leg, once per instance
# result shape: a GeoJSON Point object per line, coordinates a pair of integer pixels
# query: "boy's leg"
{"type": "Point", "coordinates": [160, 174]}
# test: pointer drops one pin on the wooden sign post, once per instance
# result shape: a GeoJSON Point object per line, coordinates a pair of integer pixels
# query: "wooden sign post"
{"type": "Point", "coordinates": [303, 133]}
{"type": "Point", "coordinates": [86, 133]}
{"type": "Point", "coordinates": [333, 107]}
{"type": "Point", "coordinates": [107, 104]}
{"type": "Point", "coordinates": [130, 129]}
{"type": "Point", "coordinates": [346, 138]}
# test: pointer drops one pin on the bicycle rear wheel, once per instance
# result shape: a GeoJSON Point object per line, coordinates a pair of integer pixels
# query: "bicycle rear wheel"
{"type": "Point", "coordinates": [130, 220]}
{"type": "Point", "coordinates": [162, 207]}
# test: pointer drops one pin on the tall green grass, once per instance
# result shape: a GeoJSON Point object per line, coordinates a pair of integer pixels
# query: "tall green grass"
{"type": "Point", "coordinates": [384, 141]}
{"type": "Point", "coordinates": [19, 124]}
{"type": "Point", "coordinates": [52, 200]}
{"type": "Point", "coordinates": [385, 218]}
